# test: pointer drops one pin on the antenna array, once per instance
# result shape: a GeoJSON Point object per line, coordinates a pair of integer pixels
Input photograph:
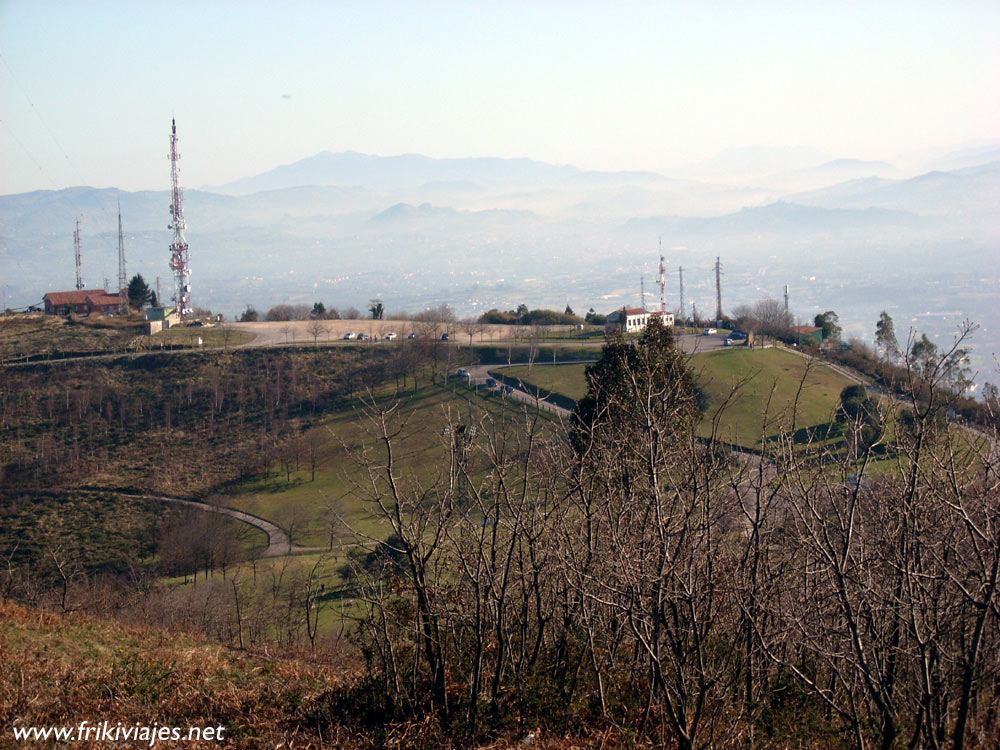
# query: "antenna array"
{"type": "Point", "coordinates": [179, 248]}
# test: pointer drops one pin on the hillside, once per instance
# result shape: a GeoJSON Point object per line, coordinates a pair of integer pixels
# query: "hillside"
{"type": "Point", "coordinates": [59, 671]}
{"type": "Point", "coordinates": [769, 381]}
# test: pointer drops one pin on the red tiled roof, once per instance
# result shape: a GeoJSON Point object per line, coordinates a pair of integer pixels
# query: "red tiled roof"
{"type": "Point", "coordinates": [806, 329]}
{"type": "Point", "coordinates": [73, 298]}
{"type": "Point", "coordinates": [102, 299]}
{"type": "Point", "coordinates": [636, 311]}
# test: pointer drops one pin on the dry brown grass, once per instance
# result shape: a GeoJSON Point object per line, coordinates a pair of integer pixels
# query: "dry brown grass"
{"type": "Point", "coordinates": [59, 671]}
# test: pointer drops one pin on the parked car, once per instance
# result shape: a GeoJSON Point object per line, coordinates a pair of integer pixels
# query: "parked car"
{"type": "Point", "coordinates": [461, 372]}
{"type": "Point", "coordinates": [709, 332]}
{"type": "Point", "coordinates": [445, 336]}
{"type": "Point", "coordinates": [390, 336]}
{"type": "Point", "coordinates": [348, 335]}
{"type": "Point", "coordinates": [491, 383]}
{"type": "Point", "coordinates": [412, 336]}
{"type": "Point", "coordinates": [736, 334]}
{"type": "Point", "coordinates": [363, 337]}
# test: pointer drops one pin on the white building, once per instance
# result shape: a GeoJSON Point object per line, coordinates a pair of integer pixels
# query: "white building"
{"type": "Point", "coordinates": [636, 319]}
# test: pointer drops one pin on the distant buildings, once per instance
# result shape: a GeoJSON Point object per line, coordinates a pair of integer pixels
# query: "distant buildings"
{"type": "Point", "coordinates": [635, 319]}
{"type": "Point", "coordinates": [82, 302]}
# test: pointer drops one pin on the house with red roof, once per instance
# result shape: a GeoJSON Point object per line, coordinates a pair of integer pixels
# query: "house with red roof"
{"type": "Point", "coordinates": [82, 302]}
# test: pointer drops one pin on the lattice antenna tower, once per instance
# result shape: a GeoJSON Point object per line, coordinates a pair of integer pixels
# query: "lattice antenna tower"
{"type": "Point", "coordinates": [663, 282]}
{"type": "Point", "coordinates": [179, 248]}
{"type": "Point", "coordinates": [680, 283]}
{"type": "Point", "coordinates": [122, 276]}
{"type": "Point", "coordinates": [76, 253]}
{"type": "Point", "coordinates": [718, 290]}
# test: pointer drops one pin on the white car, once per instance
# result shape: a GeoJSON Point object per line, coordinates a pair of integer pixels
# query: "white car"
{"type": "Point", "coordinates": [348, 335]}
{"type": "Point", "coordinates": [390, 336]}
{"type": "Point", "coordinates": [709, 332]}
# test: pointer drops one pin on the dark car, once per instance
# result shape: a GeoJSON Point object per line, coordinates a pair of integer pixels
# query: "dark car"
{"type": "Point", "coordinates": [445, 336]}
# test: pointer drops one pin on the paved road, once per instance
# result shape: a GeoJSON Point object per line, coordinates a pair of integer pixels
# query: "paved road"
{"type": "Point", "coordinates": [278, 541]}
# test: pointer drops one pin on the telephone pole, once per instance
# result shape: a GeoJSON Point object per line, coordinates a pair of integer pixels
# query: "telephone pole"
{"type": "Point", "coordinates": [718, 291]}
{"type": "Point", "coordinates": [680, 280]}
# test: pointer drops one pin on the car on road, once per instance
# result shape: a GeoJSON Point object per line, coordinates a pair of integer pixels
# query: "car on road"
{"type": "Point", "coordinates": [412, 336]}
{"type": "Point", "coordinates": [491, 383]}
{"type": "Point", "coordinates": [461, 372]}
{"type": "Point", "coordinates": [363, 337]}
{"type": "Point", "coordinates": [390, 336]}
{"type": "Point", "coordinates": [507, 388]}
{"type": "Point", "coordinates": [709, 332]}
{"type": "Point", "coordinates": [348, 335]}
{"type": "Point", "coordinates": [445, 336]}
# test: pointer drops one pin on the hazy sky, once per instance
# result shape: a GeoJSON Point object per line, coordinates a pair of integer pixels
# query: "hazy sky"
{"type": "Point", "coordinates": [87, 88]}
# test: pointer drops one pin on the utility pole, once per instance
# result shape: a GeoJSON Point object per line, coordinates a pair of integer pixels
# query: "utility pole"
{"type": "Point", "coordinates": [718, 291]}
{"type": "Point", "coordinates": [179, 247]}
{"type": "Point", "coordinates": [76, 251]}
{"type": "Point", "coordinates": [122, 276]}
{"type": "Point", "coordinates": [680, 279]}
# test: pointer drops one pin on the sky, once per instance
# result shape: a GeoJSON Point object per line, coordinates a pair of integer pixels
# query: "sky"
{"type": "Point", "coordinates": [87, 89]}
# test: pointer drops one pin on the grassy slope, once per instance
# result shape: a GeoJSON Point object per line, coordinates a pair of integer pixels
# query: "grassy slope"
{"type": "Point", "coordinates": [309, 506]}
{"type": "Point", "coordinates": [59, 671]}
{"type": "Point", "coordinates": [717, 372]}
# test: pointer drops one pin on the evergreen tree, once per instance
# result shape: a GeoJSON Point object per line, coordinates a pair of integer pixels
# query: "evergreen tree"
{"type": "Point", "coordinates": [139, 292]}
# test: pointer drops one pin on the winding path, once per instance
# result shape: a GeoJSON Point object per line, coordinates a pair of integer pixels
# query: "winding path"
{"type": "Point", "coordinates": [278, 541]}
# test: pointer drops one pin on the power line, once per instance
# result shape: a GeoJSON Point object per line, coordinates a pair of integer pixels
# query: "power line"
{"type": "Point", "coordinates": [41, 119]}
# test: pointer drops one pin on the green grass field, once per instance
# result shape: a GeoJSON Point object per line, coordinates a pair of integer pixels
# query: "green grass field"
{"type": "Point", "coordinates": [770, 379]}
{"type": "Point", "coordinates": [316, 510]}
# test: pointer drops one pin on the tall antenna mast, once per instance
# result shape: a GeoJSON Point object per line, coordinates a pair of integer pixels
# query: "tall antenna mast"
{"type": "Point", "coordinates": [718, 290]}
{"type": "Point", "coordinates": [680, 279]}
{"type": "Point", "coordinates": [786, 297]}
{"type": "Point", "coordinates": [663, 282]}
{"type": "Point", "coordinates": [642, 292]}
{"type": "Point", "coordinates": [76, 252]}
{"type": "Point", "coordinates": [122, 276]}
{"type": "Point", "coordinates": [179, 248]}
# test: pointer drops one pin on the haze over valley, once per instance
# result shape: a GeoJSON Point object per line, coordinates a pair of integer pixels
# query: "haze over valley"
{"type": "Point", "coordinates": [854, 236]}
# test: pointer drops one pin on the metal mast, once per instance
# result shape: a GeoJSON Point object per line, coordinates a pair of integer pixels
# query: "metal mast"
{"type": "Point", "coordinates": [786, 297]}
{"type": "Point", "coordinates": [680, 280]}
{"type": "Point", "coordinates": [122, 276]}
{"type": "Point", "coordinates": [663, 284]}
{"type": "Point", "coordinates": [76, 251]}
{"type": "Point", "coordinates": [642, 292]}
{"type": "Point", "coordinates": [718, 290]}
{"type": "Point", "coordinates": [179, 248]}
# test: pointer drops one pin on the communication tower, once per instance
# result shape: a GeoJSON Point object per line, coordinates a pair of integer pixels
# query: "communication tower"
{"type": "Point", "coordinates": [663, 286]}
{"type": "Point", "coordinates": [718, 290]}
{"type": "Point", "coordinates": [786, 297]}
{"type": "Point", "coordinates": [76, 252]}
{"type": "Point", "coordinates": [642, 292]}
{"type": "Point", "coordinates": [122, 276]}
{"type": "Point", "coordinates": [179, 248]}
